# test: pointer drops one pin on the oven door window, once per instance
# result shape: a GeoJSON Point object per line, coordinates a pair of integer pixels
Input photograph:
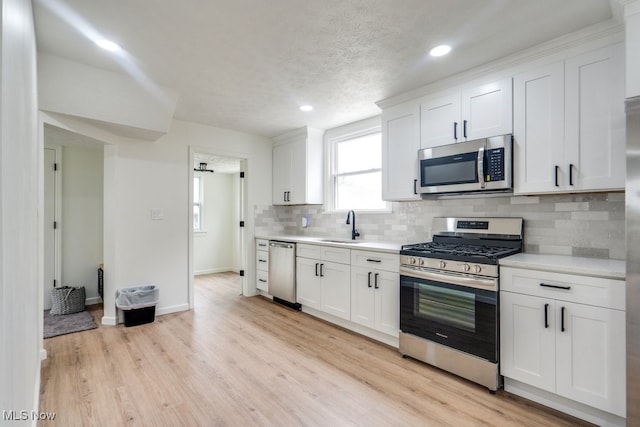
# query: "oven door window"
{"type": "Point", "coordinates": [460, 317]}
{"type": "Point", "coordinates": [453, 307]}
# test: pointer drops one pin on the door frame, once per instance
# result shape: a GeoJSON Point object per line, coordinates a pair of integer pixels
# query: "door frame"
{"type": "Point", "coordinates": [242, 158]}
{"type": "Point", "coordinates": [57, 262]}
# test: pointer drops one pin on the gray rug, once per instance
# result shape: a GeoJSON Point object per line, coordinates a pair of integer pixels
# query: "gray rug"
{"type": "Point", "coordinates": [67, 323]}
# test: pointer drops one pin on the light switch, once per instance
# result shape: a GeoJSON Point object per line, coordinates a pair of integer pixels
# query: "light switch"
{"type": "Point", "coordinates": [157, 214]}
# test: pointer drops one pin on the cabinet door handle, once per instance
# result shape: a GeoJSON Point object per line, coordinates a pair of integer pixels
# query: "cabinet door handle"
{"type": "Point", "coordinates": [415, 184]}
{"type": "Point", "coordinates": [556, 175]}
{"type": "Point", "coordinates": [369, 279]}
{"type": "Point", "coordinates": [464, 128]}
{"type": "Point", "coordinates": [570, 173]}
{"type": "Point", "coordinates": [562, 328]}
{"type": "Point", "coordinates": [546, 316]}
{"type": "Point", "coordinates": [455, 130]}
{"type": "Point", "coordinates": [545, 285]}
{"type": "Point", "coordinates": [321, 272]}
{"type": "Point", "coordinates": [375, 281]}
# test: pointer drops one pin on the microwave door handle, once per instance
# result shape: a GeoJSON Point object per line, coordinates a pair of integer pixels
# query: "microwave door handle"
{"type": "Point", "coordinates": [481, 167]}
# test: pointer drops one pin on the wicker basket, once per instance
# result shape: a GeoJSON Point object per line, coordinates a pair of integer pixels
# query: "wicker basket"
{"type": "Point", "coordinates": [67, 300]}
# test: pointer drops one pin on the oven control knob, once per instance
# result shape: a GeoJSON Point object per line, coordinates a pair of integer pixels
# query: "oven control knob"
{"type": "Point", "coordinates": [443, 264]}
{"type": "Point", "coordinates": [477, 268]}
{"type": "Point", "coordinates": [466, 267]}
{"type": "Point", "coordinates": [412, 260]}
{"type": "Point", "coordinates": [421, 261]}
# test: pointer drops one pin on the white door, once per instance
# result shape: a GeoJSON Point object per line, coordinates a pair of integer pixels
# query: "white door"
{"type": "Point", "coordinates": [595, 119]}
{"type": "Point", "coordinates": [362, 296]}
{"type": "Point", "coordinates": [538, 129]}
{"type": "Point", "coordinates": [387, 302]}
{"type": "Point", "coordinates": [336, 289]}
{"type": "Point", "coordinates": [527, 340]}
{"type": "Point", "coordinates": [440, 122]}
{"type": "Point", "coordinates": [51, 268]}
{"type": "Point", "coordinates": [400, 145]}
{"type": "Point", "coordinates": [591, 356]}
{"type": "Point", "coordinates": [487, 110]}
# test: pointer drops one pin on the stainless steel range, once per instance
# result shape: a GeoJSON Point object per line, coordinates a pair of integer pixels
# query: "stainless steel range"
{"type": "Point", "coordinates": [449, 295]}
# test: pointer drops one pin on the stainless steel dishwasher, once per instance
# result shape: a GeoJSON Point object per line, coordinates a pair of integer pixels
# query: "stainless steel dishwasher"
{"type": "Point", "coordinates": [282, 273]}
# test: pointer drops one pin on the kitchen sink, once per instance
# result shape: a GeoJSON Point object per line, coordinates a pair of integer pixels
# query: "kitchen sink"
{"type": "Point", "coordinates": [343, 241]}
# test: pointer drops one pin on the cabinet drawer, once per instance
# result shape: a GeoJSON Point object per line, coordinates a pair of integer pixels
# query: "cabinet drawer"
{"type": "Point", "coordinates": [377, 260]}
{"type": "Point", "coordinates": [262, 280]}
{"type": "Point", "coordinates": [262, 245]}
{"type": "Point", "coordinates": [594, 291]}
{"type": "Point", "coordinates": [324, 253]}
{"type": "Point", "coordinates": [339, 255]}
{"type": "Point", "coordinates": [262, 260]}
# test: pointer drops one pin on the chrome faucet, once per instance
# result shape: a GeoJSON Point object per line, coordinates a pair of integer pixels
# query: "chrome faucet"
{"type": "Point", "coordinates": [354, 232]}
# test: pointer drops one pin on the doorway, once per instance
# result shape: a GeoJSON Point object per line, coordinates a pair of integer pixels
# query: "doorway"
{"type": "Point", "coordinates": [73, 219]}
{"type": "Point", "coordinates": [218, 212]}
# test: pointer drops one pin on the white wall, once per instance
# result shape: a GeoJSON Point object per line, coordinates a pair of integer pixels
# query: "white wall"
{"type": "Point", "coordinates": [215, 249]}
{"type": "Point", "coordinates": [632, 35]}
{"type": "Point", "coordinates": [145, 176]}
{"type": "Point", "coordinates": [82, 217]}
{"type": "Point", "coordinates": [21, 195]}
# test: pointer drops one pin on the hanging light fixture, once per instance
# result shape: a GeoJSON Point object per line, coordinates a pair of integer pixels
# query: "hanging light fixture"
{"type": "Point", "coordinates": [202, 168]}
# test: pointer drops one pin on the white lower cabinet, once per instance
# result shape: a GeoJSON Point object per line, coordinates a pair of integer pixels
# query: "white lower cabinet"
{"type": "Point", "coordinates": [375, 291]}
{"type": "Point", "coordinates": [262, 265]}
{"type": "Point", "coordinates": [322, 284]}
{"type": "Point", "coordinates": [551, 340]}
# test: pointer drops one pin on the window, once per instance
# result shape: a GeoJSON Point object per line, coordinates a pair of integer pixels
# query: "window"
{"type": "Point", "coordinates": [356, 177]}
{"type": "Point", "coordinates": [197, 203]}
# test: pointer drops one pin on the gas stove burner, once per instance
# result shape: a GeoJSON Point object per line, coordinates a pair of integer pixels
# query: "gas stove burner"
{"type": "Point", "coordinates": [463, 250]}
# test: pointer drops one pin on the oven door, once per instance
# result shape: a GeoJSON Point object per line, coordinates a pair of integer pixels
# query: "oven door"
{"type": "Point", "coordinates": [456, 310]}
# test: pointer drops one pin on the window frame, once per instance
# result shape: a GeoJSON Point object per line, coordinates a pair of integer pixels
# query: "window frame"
{"type": "Point", "coordinates": [332, 138]}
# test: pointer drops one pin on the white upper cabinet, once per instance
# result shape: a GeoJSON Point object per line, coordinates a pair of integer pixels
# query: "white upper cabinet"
{"type": "Point", "coordinates": [400, 145]}
{"type": "Point", "coordinates": [297, 167]}
{"type": "Point", "coordinates": [569, 127]}
{"type": "Point", "coordinates": [469, 113]}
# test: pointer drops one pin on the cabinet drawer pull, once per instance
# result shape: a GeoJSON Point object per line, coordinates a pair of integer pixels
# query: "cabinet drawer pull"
{"type": "Point", "coordinates": [570, 173]}
{"type": "Point", "coordinates": [262, 280]}
{"type": "Point", "coordinates": [566, 288]}
{"type": "Point", "coordinates": [373, 260]}
{"type": "Point", "coordinates": [546, 316]}
{"type": "Point", "coordinates": [264, 245]}
{"type": "Point", "coordinates": [562, 329]}
{"type": "Point", "coordinates": [262, 260]}
{"type": "Point", "coordinates": [375, 281]}
{"type": "Point", "coordinates": [369, 279]}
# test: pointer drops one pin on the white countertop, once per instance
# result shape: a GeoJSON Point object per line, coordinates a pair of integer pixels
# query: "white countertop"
{"type": "Point", "coordinates": [608, 268]}
{"type": "Point", "coordinates": [338, 242]}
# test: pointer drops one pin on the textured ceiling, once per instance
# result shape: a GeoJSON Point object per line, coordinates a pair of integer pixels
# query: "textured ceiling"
{"type": "Point", "coordinates": [249, 64]}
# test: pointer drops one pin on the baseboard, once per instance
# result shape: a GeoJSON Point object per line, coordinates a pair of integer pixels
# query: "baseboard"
{"type": "Point", "coordinates": [172, 309]}
{"type": "Point", "coordinates": [93, 300]}
{"type": "Point", "coordinates": [215, 270]}
{"type": "Point", "coordinates": [109, 320]}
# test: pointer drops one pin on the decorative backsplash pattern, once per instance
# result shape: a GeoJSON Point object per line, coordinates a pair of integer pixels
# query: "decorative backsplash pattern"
{"type": "Point", "coordinates": [589, 225]}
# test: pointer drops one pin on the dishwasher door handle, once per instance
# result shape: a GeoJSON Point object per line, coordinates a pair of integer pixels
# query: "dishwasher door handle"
{"type": "Point", "coordinates": [281, 245]}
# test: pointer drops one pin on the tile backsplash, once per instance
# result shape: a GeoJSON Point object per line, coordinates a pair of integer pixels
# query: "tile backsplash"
{"type": "Point", "coordinates": [589, 225]}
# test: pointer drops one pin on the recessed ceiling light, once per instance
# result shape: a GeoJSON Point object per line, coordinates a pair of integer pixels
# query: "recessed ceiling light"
{"type": "Point", "coordinates": [441, 50]}
{"type": "Point", "coordinates": [306, 107]}
{"type": "Point", "coordinates": [108, 45]}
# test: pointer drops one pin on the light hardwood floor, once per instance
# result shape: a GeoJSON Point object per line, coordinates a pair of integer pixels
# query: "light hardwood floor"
{"type": "Point", "coordinates": [247, 361]}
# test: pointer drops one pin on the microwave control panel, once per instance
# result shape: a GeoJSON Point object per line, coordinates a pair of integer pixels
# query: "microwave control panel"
{"type": "Point", "coordinates": [494, 165]}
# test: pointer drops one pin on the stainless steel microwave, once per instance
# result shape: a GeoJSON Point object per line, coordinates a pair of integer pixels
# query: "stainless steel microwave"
{"type": "Point", "coordinates": [471, 166]}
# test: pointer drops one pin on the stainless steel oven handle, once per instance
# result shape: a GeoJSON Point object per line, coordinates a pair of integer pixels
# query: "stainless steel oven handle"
{"type": "Point", "coordinates": [481, 167]}
{"type": "Point", "coordinates": [489, 284]}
